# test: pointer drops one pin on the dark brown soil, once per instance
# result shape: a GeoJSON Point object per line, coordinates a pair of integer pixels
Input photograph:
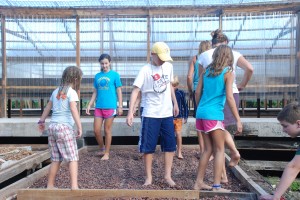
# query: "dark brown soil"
{"type": "Point", "coordinates": [125, 170]}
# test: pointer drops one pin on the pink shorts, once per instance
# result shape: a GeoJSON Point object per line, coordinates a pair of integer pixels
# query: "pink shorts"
{"type": "Point", "coordinates": [207, 126]}
{"type": "Point", "coordinates": [105, 113]}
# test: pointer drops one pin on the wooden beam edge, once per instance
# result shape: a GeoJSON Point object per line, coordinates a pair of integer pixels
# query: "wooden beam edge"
{"type": "Point", "coordinates": [245, 179]}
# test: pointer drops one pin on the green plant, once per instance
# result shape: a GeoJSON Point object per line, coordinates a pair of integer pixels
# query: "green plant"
{"type": "Point", "coordinates": [295, 186]}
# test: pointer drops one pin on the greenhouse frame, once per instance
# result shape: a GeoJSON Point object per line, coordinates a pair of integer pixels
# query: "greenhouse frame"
{"type": "Point", "coordinates": [39, 39]}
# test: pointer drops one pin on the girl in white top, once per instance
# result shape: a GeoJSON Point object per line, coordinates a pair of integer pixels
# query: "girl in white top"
{"type": "Point", "coordinates": [204, 60]}
{"type": "Point", "coordinates": [61, 136]}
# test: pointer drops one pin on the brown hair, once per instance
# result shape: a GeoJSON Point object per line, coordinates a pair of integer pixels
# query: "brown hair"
{"type": "Point", "coordinates": [222, 57]}
{"type": "Point", "coordinates": [204, 46]}
{"type": "Point", "coordinates": [218, 37]}
{"type": "Point", "coordinates": [290, 113]}
{"type": "Point", "coordinates": [71, 75]}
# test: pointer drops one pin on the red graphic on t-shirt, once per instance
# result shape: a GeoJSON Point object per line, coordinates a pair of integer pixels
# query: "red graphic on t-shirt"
{"type": "Point", "coordinates": [156, 77]}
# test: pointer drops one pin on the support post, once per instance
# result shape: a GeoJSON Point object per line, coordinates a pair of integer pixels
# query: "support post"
{"type": "Point", "coordinates": [78, 56]}
{"type": "Point", "coordinates": [297, 63]}
{"type": "Point", "coordinates": [258, 107]}
{"type": "Point", "coordinates": [9, 108]}
{"type": "Point", "coordinates": [3, 97]}
{"type": "Point", "coordinates": [42, 106]}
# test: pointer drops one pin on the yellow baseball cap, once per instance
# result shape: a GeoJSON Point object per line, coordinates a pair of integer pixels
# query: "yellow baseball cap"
{"type": "Point", "coordinates": [162, 50]}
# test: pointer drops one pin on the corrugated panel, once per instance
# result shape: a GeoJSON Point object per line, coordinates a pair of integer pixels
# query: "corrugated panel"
{"type": "Point", "coordinates": [126, 3]}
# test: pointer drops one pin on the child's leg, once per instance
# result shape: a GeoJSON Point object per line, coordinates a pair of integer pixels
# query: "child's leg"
{"type": "Point", "coordinates": [108, 137]}
{"type": "Point", "coordinates": [54, 167]}
{"type": "Point", "coordinates": [168, 145]}
{"type": "Point", "coordinates": [224, 178]}
{"type": "Point", "coordinates": [234, 153]}
{"type": "Point", "coordinates": [179, 144]}
{"type": "Point", "coordinates": [199, 184]}
{"type": "Point", "coordinates": [200, 142]}
{"type": "Point", "coordinates": [97, 131]}
{"type": "Point", "coordinates": [168, 168]}
{"type": "Point", "coordinates": [148, 168]}
{"type": "Point", "coordinates": [218, 138]}
{"type": "Point", "coordinates": [73, 168]}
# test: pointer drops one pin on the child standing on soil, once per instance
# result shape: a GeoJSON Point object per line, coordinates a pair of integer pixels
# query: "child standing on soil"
{"type": "Point", "coordinates": [182, 117]}
{"type": "Point", "coordinates": [192, 82]}
{"type": "Point", "coordinates": [154, 82]}
{"type": "Point", "coordinates": [214, 88]}
{"type": "Point", "coordinates": [289, 118]}
{"type": "Point", "coordinates": [107, 90]}
{"type": "Point", "coordinates": [61, 136]}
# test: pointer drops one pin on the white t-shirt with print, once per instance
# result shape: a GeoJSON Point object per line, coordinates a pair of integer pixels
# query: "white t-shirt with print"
{"type": "Point", "coordinates": [155, 85]}
{"type": "Point", "coordinates": [205, 59]}
{"type": "Point", "coordinates": [61, 112]}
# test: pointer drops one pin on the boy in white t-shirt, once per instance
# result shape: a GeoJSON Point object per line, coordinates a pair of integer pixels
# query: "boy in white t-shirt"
{"type": "Point", "coordinates": [154, 82]}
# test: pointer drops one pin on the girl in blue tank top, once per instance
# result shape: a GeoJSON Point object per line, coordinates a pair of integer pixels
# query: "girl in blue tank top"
{"type": "Point", "coordinates": [214, 88]}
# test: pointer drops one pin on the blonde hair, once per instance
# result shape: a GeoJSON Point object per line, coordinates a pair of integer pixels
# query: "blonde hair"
{"type": "Point", "coordinates": [222, 57]}
{"type": "Point", "coordinates": [175, 81]}
{"type": "Point", "coordinates": [204, 46]}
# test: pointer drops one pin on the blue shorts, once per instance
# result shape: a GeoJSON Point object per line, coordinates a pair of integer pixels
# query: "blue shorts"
{"type": "Point", "coordinates": [152, 129]}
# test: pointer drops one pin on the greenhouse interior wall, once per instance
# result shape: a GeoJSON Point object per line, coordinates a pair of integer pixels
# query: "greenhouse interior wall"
{"type": "Point", "coordinates": [37, 47]}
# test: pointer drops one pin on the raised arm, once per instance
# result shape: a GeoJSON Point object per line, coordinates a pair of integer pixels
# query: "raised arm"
{"type": "Point", "coordinates": [248, 71]}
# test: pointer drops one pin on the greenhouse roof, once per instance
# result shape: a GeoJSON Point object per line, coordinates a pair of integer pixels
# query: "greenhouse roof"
{"type": "Point", "coordinates": [131, 3]}
{"type": "Point", "coordinates": [47, 29]}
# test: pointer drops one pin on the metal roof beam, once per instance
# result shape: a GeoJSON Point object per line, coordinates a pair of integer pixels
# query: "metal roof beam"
{"type": "Point", "coordinates": [68, 32]}
{"type": "Point", "coordinates": [28, 38]}
{"type": "Point", "coordinates": [284, 31]}
{"type": "Point", "coordinates": [239, 32]}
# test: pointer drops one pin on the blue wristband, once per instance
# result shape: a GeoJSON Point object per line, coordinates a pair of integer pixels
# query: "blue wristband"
{"type": "Point", "coordinates": [41, 122]}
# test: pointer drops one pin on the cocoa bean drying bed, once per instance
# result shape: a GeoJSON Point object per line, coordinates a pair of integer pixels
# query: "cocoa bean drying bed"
{"type": "Point", "coordinates": [102, 184]}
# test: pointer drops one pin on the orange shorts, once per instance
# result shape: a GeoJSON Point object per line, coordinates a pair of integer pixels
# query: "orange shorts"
{"type": "Point", "coordinates": [177, 124]}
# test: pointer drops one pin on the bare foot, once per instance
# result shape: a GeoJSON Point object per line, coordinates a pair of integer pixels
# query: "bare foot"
{"type": "Point", "coordinates": [105, 157]}
{"type": "Point", "coordinates": [148, 181]}
{"type": "Point", "coordinates": [235, 158]}
{"type": "Point", "coordinates": [224, 180]}
{"type": "Point", "coordinates": [100, 152]}
{"type": "Point", "coordinates": [220, 190]}
{"type": "Point", "coordinates": [170, 182]}
{"type": "Point", "coordinates": [202, 186]}
{"type": "Point", "coordinates": [179, 156]}
{"type": "Point", "coordinates": [75, 188]}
